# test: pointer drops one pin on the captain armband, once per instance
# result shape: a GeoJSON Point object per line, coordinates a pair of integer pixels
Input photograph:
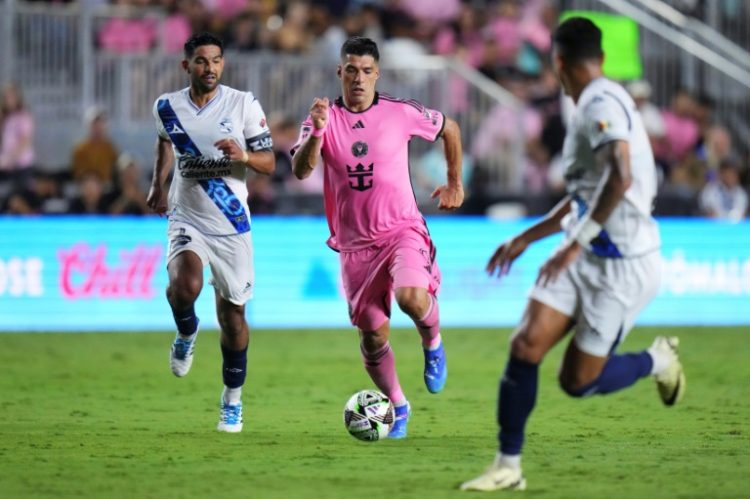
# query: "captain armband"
{"type": "Point", "coordinates": [262, 142]}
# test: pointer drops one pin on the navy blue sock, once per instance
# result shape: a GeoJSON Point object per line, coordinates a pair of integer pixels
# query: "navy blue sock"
{"type": "Point", "coordinates": [234, 367]}
{"type": "Point", "coordinates": [517, 398]}
{"type": "Point", "coordinates": [619, 372]}
{"type": "Point", "coordinates": [186, 320]}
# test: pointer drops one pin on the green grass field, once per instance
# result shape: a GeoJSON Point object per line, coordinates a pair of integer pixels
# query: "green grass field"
{"type": "Point", "coordinates": [100, 415]}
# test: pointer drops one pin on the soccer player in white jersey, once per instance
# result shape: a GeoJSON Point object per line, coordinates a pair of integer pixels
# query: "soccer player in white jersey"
{"type": "Point", "coordinates": [212, 134]}
{"type": "Point", "coordinates": [607, 268]}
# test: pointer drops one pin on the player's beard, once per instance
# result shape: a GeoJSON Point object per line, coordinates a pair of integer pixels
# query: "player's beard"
{"type": "Point", "coordinates": [203, 87]}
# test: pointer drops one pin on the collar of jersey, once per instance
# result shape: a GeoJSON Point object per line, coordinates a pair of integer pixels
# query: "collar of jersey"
{"type": "Point", "coordinates": [199, 110]}
{"type": "Point", "coordinates": [591, 87]}
{"type": "Point", "coordinates": [340, 103]}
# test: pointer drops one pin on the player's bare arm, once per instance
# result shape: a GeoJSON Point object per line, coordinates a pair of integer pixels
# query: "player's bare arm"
{"type": "Point", "coordinates": [156, 199]}
{"type": "Point", "coordinates": [451, 195]}
{"type": "Point", "coordinates": [615, 158]}
{"type": "Point", "coordinates": [507, 252]}
{"type": "Point", "coordinates": [307, 155]}
{"type": "Point", "coordinates": [260, 161]}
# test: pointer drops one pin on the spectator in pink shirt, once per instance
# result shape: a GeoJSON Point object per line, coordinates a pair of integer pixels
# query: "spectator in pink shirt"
{"type": "Point", "coordinates": [536, 18]}
{"type": "Point", "coordinates": [226, 10]}
{"type": "Point", "coordinates": [427, 10]}
{"type": "Point", "coordinates": [505, 31]}
{"type": "Point", "coordinates": [175, 30]}
{"type": "Point", "coordinates": [132, 33]}
{"type": "Point", "coordinates": [16, 137]}
{"type": "Point", "coordinates": [501, 126]}
{"type": "Point", "coordinates": [462, 38]}
{"type": "Point", "coordinates": [681, 131]}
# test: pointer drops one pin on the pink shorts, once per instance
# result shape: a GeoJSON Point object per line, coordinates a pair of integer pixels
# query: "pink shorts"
{"type": "Point", "coordinates": [371, 275]}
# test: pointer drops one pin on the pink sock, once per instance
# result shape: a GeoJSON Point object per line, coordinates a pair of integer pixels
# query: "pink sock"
{"type": "Point", "coordinates": [429, 325]}
{"type": "Point", "coordinates": [381, 366]}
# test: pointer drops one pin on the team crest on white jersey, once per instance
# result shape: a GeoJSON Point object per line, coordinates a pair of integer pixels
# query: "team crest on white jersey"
{"type": "Point", "coordinates": [225, 125]}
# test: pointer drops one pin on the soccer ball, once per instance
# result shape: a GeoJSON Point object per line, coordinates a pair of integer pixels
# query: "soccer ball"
{"type": "Point", "coordinates": [368, 415]}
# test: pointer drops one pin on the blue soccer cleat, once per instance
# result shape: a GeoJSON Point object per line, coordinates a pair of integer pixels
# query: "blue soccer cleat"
{"type": "Point", "coordinates": [400, 420]}
{"type": "Point", "coordinates": [181, 355]}
{"type": "Point", "coordinates": [435, 369]}
{"type": "Point", "coordinates": [230, 417]}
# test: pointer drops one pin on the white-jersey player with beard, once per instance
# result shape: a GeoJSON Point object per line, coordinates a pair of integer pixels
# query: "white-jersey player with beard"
{"type": "Point", "coordinates": [206, 182]}
{"type": "Point", "coordinates": [211, 134]}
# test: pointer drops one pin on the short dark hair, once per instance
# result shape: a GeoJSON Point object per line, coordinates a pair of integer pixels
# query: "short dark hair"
{"type": "Point", "coordinates": [200, 39]}
{"type": "Point", "coordinates": [578, 39]}
{"type": "Point", "coordinates": [359, 45]}
{"type": "Point", "coordinates": [730, 163]}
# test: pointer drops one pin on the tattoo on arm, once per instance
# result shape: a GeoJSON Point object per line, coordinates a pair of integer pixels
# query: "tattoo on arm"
{"type": "Point", "coordinates": [306, 157]}
{"type": "Point", "coordinates": [614, 158]}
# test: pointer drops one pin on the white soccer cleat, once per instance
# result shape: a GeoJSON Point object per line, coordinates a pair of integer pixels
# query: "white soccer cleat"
{"type": "Point", "coordinates": [497, 477]}
{"type": "Point", "coordinates": [181, 355]}
{"type": "Point", "coordinates": [230, 417]}
{"type": "Point", "coordinates": [671, 380]}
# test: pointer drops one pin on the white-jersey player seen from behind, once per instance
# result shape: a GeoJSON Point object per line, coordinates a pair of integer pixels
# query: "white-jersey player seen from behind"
{"type": "Point", "coordinates": [211, 134]}
{"type": "Point", "coordinates": [607, 268]}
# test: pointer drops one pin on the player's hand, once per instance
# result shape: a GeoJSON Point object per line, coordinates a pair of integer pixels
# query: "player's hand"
{"type": "Point", "coordinates": [451, 196]}
{"type": "Point", "coordinates": [319, 113]}
{"type": "Point", "coordinates": [231, 150]}
{"type": "Point", "coordinates": [156, 200]}
{"type": "Point", "coordinates": [559, 262]}
{"type": "Point", "coordinates": [505, 255]}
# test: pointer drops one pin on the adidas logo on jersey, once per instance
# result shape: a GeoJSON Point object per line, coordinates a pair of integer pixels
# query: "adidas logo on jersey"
{"type": "Point", "coordinates": [359, 124]}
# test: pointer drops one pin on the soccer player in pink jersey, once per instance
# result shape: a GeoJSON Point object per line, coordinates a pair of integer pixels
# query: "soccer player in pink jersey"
{"type": "Point", "coordinates": [375, 225]}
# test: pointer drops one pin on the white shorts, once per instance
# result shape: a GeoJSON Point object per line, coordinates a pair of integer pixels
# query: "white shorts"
{"type": "Point", "coordinates": [603, 296]}
{"type": "Point", "coordinates": [230, 258]}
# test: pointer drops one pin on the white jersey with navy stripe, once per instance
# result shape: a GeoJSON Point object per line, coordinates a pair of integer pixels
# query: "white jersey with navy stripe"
{"type": "Point", "coordinates": [606, 112]}
{"type": "Point", "coordinates": [208, 191]}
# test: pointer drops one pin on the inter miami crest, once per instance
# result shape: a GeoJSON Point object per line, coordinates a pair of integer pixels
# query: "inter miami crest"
{"type": "Point", "coordinates": [360, 176]}
{"type": "Point", "coordinates": [359, 149]}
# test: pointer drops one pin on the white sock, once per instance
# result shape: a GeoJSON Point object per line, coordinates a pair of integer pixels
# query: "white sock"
{"type": "Point", "coordinates": [509, 460]}
{"type": "Point", "coordinates": [661, 360]}
{"type": "Point", "coordinates": [232, 396]}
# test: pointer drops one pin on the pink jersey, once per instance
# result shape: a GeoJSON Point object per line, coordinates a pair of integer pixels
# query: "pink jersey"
{"type": "Point", "coordinates": [367, 189]}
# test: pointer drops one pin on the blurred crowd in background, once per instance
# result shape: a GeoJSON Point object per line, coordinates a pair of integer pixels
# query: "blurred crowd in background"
{"type": "Point", "coordinates": [701, 171]}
